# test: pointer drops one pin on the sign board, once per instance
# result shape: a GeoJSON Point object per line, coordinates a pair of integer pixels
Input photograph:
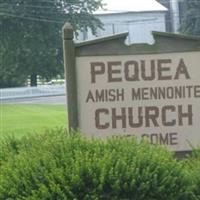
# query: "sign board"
{"type": "Point", "coordinates": [150, 91]}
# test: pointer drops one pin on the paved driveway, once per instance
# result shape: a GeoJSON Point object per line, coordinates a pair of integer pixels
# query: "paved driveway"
{"type": "Point", "coordinates": [52, 100]}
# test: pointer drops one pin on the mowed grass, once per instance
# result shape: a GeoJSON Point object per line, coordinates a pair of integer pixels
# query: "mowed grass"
{"type": "Point", "coordinates": [20, 120]}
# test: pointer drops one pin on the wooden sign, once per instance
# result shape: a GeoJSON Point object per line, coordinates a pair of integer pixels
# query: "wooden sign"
{"type": "Point", "coordinates": [141, 90]}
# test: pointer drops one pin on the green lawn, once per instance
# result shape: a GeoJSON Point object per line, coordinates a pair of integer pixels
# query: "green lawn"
{"type": "Point", "coordinates": [20, 120]}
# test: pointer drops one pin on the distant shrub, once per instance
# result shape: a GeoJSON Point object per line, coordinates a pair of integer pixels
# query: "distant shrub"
{"type": "Point", "coordinates": [60, 166]}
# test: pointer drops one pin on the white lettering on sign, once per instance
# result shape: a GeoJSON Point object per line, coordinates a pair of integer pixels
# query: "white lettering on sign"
{"type": "Point", "coordinates": [152, 96]}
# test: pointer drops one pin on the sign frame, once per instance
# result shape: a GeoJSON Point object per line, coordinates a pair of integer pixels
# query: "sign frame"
{"type": "Point", "coordinates": [112, 46]}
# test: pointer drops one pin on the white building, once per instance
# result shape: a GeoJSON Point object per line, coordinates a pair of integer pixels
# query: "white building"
{"type": "Point", "coordinates": [138, 17]}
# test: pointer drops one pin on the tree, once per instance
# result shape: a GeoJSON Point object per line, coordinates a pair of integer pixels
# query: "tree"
{"type": "Point", "coordinates": [191, 21]}
{"type": "Point", "coordinates": [31, 36]}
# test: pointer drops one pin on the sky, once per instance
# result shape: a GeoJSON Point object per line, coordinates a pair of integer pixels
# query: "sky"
{"type": "Point", "coordinates": [131, 5]}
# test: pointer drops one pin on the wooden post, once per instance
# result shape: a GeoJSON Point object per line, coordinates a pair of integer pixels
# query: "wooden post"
{"type": "Point", "coordinates": [70, 76]}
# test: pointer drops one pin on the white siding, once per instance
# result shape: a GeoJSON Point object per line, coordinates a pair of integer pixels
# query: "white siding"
{"type": "Point", "coordinates": [138, 24]}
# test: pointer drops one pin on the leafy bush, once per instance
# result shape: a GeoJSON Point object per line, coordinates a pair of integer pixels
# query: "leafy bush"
{"type": "Point", "coordinates": [192, 166]}
{"type": "Point", "coordinates": [60, 166]}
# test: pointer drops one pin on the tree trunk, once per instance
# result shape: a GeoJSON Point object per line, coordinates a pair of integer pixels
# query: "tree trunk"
{"type": "Point", "coordinates": [33, 80]}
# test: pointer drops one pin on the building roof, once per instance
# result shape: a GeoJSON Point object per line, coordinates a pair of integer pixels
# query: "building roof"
{"type": "Point", "coordinates": [123, 6]}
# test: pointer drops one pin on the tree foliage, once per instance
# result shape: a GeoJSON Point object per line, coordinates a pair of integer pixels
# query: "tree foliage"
{"type": "Point", "coordinates": [191, 21]}
{"type": "Point", "coordinates": [31, 36]}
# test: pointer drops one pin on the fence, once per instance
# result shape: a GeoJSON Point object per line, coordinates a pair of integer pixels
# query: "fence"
{"type": "Point", "coordinates": [39, 91]}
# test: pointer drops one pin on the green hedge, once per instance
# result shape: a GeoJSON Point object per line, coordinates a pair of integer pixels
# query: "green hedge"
{"type": "Point", "coordinates": [58, 165]}
{"type": "Point", "coordinates": [192, 169]}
